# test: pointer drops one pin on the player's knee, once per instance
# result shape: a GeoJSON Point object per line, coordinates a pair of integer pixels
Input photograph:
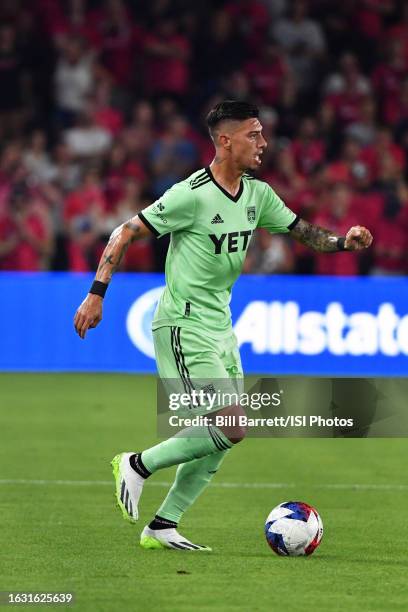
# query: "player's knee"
{"type": "Point", "coordinates": [237, 435]}
{"type": "Point", "coordinates": [233, 427]}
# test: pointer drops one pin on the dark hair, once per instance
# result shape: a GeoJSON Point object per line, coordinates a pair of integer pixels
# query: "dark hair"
{"type": "Point", "coordinates": [231, 109]}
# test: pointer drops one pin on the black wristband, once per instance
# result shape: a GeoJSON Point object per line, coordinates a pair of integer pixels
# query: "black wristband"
{"type": "Point", "coordinates": [340, 243]}
{"type": "Point", "coordinates": [98, 288]}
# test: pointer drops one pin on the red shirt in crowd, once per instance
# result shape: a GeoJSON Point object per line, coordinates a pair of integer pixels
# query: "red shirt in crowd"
{"type": "Point", "coordinates": [24, 257]}
{"type": "Point", "coordinates": [390, 246]}
{"type": "Point", "coordinates": [166, 73]}
{"type": "Point", "coordinates": [120, 43]}
{"type": "Point", "coordinates": [373, 155]}
{"type": "Point", "coordinates": [336, 264]}
{"type": "Point", "coordinates": [346, 106]}
{"type": "Point", "coordinates": [308, 155]}
{"type": "Point", "coordinates": [80, 203]}
{"type": "Point", "coordinates": [267, 79]}
{"type": "Point", "coordinates": [387, 81]}
{"type": "Point", "coordinates": [255, 16]}
{"type": "Point", "coordinates": [368, 18]}
{"type": "Point", "coordinates": [109, 118]}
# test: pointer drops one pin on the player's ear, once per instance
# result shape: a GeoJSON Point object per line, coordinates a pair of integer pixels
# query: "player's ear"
{"type": "Point", "coordinates": [224, 141]}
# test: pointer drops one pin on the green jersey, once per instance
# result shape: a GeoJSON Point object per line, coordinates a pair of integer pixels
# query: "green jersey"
{"type": "Point", "coordinates": [210, 234]}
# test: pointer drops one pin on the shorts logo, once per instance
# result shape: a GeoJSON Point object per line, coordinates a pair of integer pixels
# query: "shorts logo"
{"type": "Point", "coordinates": [208, 389]}
{"type": "Point", "coordinates": [251, 213]}
{"type": "Point", "coordinates": [160, 206]}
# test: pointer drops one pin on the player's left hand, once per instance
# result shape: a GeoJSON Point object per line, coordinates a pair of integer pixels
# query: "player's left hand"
{"type": "Point", "coordinates": [357, 238]}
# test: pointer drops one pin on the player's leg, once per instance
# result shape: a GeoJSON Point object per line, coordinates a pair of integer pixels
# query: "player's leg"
{"type": "Point", "coordinates": [132, 469]}
{"type": "Point", "coordinates": [191, 480]}
{"type": "Point", "coordinates": [193, 477]}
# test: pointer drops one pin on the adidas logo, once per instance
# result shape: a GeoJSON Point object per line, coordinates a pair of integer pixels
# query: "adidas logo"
{"type": "Point", "coordinates": [217, 219]}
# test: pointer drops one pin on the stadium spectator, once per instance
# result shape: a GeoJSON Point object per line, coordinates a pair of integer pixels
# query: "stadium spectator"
{"type": "Point", "coordinates": [25, 232]}
{"type": "Point", "coordinates": [390, 251]}
{"type": "Point", "coordinates": [287, 181]}
{"type": "Point", "coordinates": [252, 19]}
{"type": "Point", "coordinates": [107, 85]}
{"type": "Point", "coordinates": [369, 22]}
{"type": "Point", "coordinates": [120, 42]}
{"type": "Point", "coordinates": [346, 90]}
{"type": "Point", "coordinates": [350, 158]}
{"type": "Point", "coordinates": [288, 108]}
{"type": "Point", "coordinates": [167, 58]}
{"type": "Point", "coordinates": [137, 137]}
{"type": "Point", "coordinates": [13, 79]}
{"type": "Point", "coordinates": [388, 76]}
{"type": "Point", "coordinates": [74, 80]}
{"type": "Point", "coordinates": [363, 130]}
{"type": "Point", "coordinates": [304, 40]}
{"type": "Point", "coordinates": [338, 214]}
{"type": "Point", "coordinates": [399, 29]}
{"type": "Point", "coordinates": [348, 78]}
{"type": "Point", "coordinates": [86, 138]}
{"type": "Point", "coordinates": [139, 256]}
{"type": "Point", "coordinates": [383, 146]}
{"type": "Point", "coordinates": [268, 73]}
{"type": "Point", "coordinates": [66, 172]}
{"type": "Point", "coordinates": [173, 156]}
{"type": "Point", "coordinates": [237, 86]}
{"type": "Point", "coordinates": [270, 254]}
{"type": "Point", "coordinates": [308, 148]}
{"type": "Point", "coordinates": [36, 159]}
{"type": "Point", "coordinates": [64, 20]}
{"type": "Point", "coordinates": [84, 213]}
{"type": "Point", "coordinates": [103, 112]}
{"type": "Point", "coordinates": [224, 52]}
{"type": "Point", "coordinates": [398, 113]}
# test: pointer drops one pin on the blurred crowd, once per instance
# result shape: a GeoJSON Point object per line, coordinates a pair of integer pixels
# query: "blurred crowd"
{"type": "Point", "coordinates": [102, 107]}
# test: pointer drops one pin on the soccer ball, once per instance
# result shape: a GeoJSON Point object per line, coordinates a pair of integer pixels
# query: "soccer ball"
{"type": "Point", "coordinates": [294, 529]}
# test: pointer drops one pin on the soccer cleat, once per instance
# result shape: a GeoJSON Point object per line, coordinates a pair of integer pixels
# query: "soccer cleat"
{"type": "Point", "coordinates": [129, 486]}
{"type": "Point", "coordinates": [168, 538]}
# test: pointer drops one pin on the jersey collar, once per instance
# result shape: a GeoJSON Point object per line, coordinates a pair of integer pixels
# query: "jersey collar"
{"type": "Point", "coordinates": [224, 191]}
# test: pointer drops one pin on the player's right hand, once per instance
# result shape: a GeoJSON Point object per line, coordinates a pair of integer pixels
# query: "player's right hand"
{"type": "Point", "coordinates": [88, 315]}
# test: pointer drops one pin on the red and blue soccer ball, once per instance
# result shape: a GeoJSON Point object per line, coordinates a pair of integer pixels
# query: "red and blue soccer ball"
{"type": "Point", "coordinates": [294, 529]}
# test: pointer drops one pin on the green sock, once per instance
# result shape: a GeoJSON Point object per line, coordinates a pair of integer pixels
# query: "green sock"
{"type": "Point", "coordinates": [191, 480]}
{"type": "Point", "coordinates": [191, 443]}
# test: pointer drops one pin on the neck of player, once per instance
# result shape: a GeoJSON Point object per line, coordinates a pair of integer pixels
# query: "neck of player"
{"type": "Point", "coordinates": [226, 175]}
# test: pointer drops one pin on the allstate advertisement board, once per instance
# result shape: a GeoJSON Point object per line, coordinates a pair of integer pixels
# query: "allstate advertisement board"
{"type": "Point", "coordinates": [284, 324]}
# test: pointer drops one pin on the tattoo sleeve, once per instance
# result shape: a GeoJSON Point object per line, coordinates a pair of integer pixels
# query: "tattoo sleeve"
{"type": "Point", "coordinates": [115, 250]}
{"type": "Point", "coordinates": [315, 237]}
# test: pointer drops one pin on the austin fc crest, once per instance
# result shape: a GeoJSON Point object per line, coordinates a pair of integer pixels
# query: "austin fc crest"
{"type": "Point", "coordinates": [251, 213]}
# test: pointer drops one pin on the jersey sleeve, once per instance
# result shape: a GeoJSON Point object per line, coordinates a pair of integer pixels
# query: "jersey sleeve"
{"type": "Point", "coordinates": [275, 216]}
{"type": "Point", "coordinates": [173, 211]}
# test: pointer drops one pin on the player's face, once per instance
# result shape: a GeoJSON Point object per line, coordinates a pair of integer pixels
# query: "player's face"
{"type": "Point", "coordinates": [247, 144]}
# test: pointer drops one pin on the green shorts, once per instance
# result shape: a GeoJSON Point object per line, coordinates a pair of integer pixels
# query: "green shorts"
{"type": "Point", "coordinates": [190, 359]}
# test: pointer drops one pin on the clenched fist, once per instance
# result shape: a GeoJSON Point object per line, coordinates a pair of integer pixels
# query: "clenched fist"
{"type": "Point", "coordinates": [357, 238]}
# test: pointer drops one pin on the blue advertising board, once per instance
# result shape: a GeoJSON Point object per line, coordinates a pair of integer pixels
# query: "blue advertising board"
{"type": "Point", "coordinates": [284, 324]}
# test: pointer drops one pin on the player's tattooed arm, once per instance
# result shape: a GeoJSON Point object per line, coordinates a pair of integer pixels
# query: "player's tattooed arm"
{"type": "Point", "coordinates": [89, 313]}
{"type": "Point", "coordinates": [325, 241]}
{"type": "Point", "coordinates": [315, 237]}
{"type": "Point", "coordinates": [117, 246]}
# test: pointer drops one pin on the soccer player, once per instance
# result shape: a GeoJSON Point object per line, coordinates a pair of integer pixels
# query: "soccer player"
{"type": "Point", "coordinates": [211, 217]}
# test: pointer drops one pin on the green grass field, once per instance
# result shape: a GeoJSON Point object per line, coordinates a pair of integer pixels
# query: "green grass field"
{"type": "Point", "coordinates": [59, 533]}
